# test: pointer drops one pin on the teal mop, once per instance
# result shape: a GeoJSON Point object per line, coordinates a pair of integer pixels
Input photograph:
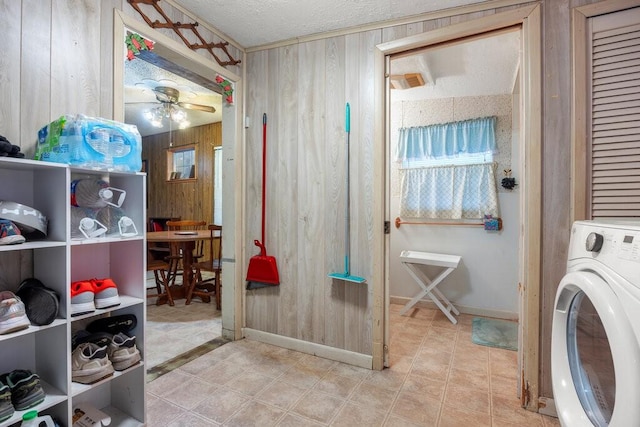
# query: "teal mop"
{"type": "Point", "coordinates": [347, 275]}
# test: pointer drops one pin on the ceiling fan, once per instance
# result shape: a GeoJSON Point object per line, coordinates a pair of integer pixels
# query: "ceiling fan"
{"type": "Point", "coordinates": [171, 108]}
{"type": "Point", "coordinates": [171, 95]}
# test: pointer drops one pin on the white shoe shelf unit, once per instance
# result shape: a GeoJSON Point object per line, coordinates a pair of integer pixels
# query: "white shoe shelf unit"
{"type": "Point", "coordinates": [59, 260]}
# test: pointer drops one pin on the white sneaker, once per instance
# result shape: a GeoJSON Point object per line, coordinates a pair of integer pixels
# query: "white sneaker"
{"type": "Point", "coordinates": [123, 352]}
{"type": "Point", "coordinates": [13, 316]}
{"type": "Point", "coordinates": [90, 363]}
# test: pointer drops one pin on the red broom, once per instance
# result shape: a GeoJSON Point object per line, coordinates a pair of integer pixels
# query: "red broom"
{"type": "Point", "coordinates": [263, 271]}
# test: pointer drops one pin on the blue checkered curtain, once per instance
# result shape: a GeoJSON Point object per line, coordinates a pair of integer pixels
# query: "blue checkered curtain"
{"type": "Point", "coordinates": [449, 192]}
{"type": "Point", "coordinates": [458, 190]}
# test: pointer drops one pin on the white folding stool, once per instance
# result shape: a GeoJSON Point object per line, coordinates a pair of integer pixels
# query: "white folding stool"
{"type": "Point", "coordinates": [410, 260]}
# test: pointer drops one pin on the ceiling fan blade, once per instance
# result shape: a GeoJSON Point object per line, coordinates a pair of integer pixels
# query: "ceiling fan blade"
{"type": "Point", "coordinates": [199, 107]}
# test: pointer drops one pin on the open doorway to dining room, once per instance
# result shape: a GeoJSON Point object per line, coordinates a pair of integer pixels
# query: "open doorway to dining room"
{"type": "Point", "coordinates": [185, 160]}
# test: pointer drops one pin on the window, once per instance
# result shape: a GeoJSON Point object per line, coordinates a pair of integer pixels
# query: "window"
{"type": "Point", "coordinates": [181, 163]}
{"type": "Point", "coordinates": [448, 171]}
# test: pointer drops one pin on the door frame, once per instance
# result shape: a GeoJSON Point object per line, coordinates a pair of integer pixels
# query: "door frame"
{"type": "Point", "coordinates": [529, 19]}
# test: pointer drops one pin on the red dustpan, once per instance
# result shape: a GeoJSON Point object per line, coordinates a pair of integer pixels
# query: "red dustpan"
{"type": "Point", "coordinates": [263, 270]}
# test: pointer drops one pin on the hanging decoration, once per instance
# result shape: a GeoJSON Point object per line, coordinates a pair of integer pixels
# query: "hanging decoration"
{"type": "Point", "coordinates": [179, 28]}
{"type": "Point", "coordinates": [227, 89]}
{"type": "Point", "coordinates": [135, 43]}
{"type": "Point", "coordinates": [508, 182]}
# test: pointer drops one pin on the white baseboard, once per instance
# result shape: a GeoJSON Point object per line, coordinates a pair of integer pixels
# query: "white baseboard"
{"type": "Point", "coordinates": [331, 353]}
{"type": "Point", "coordinates": [427, 303]}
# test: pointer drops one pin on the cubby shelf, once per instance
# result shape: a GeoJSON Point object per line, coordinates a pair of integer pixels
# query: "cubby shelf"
{"type": "Point", "coordinates": [57, 260]}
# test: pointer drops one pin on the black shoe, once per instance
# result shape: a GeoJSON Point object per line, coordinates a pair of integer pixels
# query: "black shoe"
{"type": "Point", "coordinates": [41, 303]}
{"type": "Point", "coordinates": [6, 407]}
{"type": "Point", "coordinates": [114, 324]}
{"type": "Point", "coordinates": [26, 390]}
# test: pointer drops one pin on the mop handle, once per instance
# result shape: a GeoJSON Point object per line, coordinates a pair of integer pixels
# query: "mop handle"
{"type": "Point", "coordinates": [264, 167]}
{"type": "Point", "coordinates": [347, 213]}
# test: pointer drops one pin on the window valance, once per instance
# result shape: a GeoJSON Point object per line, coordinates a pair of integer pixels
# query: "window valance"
{"type": "Point", "coordinates": [446, 140]}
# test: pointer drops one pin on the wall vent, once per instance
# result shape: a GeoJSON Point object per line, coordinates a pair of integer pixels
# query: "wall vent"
{"type": "Point", "coordinates": [406, 81]}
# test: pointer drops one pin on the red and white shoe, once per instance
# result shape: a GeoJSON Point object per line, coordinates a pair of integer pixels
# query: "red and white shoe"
{"type": "Point", "coordinates": [106, 293]}
{"type": "Point", "coordinates": [82, 296]}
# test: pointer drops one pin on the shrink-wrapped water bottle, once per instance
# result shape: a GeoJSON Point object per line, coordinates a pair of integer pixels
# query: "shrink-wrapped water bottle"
{"type": "Point", "coordinates": [95, 194]}
{"type": "Point", "coordinates": [84, 223]}
{"type": "Point", "coordinates": [116, 221]}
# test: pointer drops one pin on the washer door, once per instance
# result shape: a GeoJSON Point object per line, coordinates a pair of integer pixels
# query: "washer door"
{"type": "Point", "coordinates": [594, 355]}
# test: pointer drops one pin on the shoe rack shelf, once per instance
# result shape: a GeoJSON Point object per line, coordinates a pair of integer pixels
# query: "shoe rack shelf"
{"type": "Point", "coordinates": [59, 260]}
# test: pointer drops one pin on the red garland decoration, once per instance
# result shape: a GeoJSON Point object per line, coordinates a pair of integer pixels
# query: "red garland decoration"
{"type": "Point", "coordinates": [135, 43]}
{"type": "Point", "coordinates": [227, 89]}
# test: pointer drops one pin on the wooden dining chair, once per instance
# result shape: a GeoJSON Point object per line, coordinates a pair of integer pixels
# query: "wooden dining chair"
{"type": "Point", "coordinates": [175, 254]}
{"type": "Point", "coordinates": [213, 264]}
{"type": "Point", "coordinates": [161, 269]}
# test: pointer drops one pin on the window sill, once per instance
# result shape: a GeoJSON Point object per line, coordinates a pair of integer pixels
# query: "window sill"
{"type": "Point", "coordinates": [181, 180]}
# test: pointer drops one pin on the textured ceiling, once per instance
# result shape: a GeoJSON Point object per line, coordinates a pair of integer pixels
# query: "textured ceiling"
{"type": "Point", "coordinates": [256, 22]}
{"type": "Point", "coordinates": [486, 65]}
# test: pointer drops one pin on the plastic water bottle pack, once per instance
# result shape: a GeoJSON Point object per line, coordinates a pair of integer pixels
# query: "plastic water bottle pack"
{"type": "Point", "coordinates": [91, 142]}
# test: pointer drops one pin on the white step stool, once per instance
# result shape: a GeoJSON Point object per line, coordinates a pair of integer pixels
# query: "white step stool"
{"type": "Point", "coordinates": [410, 260]}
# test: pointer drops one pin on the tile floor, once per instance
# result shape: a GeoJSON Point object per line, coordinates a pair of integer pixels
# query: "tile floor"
{"type": "Point", "coordinates": [438, 377]}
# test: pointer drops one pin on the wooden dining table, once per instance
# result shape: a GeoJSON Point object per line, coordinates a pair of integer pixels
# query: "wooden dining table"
{"type": "Point", "coordinates": [187, 242]}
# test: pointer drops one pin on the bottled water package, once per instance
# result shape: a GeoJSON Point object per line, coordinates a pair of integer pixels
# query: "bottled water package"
{"type": "Point", "coordinates": [89, 142]}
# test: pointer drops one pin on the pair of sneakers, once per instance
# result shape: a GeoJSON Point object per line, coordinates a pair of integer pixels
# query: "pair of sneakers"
{"type": "Point", "coordinates": [9, 233]}
{"type": "Point", "coordinates": [19, 390]}
{"type": "Point", "coordinates": [89, 295]}
{"type": "Point", "coordinates": [13, 315]}
{"type": "Point", "coordinates": [103, 347]}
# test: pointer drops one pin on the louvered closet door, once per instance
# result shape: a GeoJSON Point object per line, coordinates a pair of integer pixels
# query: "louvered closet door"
{"type": "Point", "coordinates": [615, 115]}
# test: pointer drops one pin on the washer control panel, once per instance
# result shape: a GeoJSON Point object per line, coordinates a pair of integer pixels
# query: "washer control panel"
{"type": "Point", "coordinates": [615, 244]}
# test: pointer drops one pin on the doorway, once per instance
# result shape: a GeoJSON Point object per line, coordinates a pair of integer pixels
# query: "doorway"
{"type": "Point", "coordinates": [528, 20]}
{"type": "Point", "coordinates": [204, 72]}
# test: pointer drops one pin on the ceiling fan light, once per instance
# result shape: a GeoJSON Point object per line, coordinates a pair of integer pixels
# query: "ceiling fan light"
{"type": "Point", "coordinates": [184, 124]}
{"type": "Point", "coordinates": [178, 115]}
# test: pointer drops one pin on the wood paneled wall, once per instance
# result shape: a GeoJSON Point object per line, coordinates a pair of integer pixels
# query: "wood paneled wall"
{"type": "Point", "coordinates": [187, 199]}
{"type": "Point", "coordinates": [303, 89]}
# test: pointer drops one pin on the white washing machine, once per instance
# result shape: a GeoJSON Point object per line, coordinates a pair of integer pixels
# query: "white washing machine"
{"type": "Point", "coordinates": [595, 348]}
